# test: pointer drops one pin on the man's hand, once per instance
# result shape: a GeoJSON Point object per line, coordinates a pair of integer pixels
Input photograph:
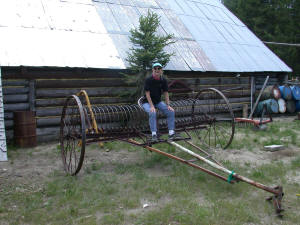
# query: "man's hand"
{"type": "Point", "coordinates": [170, 108]}
{"type": "Point", "coordinates": [152, 109]}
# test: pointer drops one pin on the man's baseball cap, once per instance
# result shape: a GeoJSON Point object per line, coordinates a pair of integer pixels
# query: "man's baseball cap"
{"type": "Point", "coordinates": [157, 65]}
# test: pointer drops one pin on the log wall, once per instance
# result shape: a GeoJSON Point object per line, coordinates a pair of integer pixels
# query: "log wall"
{"type": "Point", "coordinates": [44, 91]}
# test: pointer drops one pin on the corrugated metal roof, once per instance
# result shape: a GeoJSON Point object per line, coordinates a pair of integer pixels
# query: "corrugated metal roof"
{"type": "Point", "coordinates": [95, 33]}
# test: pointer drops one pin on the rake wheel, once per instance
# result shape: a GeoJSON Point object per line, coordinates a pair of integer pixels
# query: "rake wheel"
{"type": "Point", "coordinates": [72, 135]}
{"type": "Point", "coordinates": [217, 129]}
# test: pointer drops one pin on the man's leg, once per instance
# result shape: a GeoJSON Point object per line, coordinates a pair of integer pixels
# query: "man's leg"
{"type": "Point", "coordinates": [152, 117]}
{"type": "Point", "coordinates": [170, 115]}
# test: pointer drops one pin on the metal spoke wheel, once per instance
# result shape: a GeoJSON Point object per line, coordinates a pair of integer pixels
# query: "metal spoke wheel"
{"type": "Point", "coordinates": [212, 110]}
{"type": "Point", "coordinates": [72, 135]}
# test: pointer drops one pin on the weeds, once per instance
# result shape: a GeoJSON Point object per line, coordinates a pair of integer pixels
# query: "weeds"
{"type": "Point", "coordinates": [115, 193]}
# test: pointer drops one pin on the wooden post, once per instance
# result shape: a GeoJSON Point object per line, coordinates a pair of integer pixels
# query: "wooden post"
{"type": "Point", "coordinates": [3, 149]}
{"type": "Point", "coordinates": [245, 111]}
{"type": "Point", "coordinates": [31, 95]}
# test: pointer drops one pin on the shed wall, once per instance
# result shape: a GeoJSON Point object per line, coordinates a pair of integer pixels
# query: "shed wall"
{"type": "Point", "coordinates": [44, 91]}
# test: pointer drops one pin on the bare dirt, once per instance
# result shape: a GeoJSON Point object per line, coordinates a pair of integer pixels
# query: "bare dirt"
{"type": "Point", "coordinates": [36, 164]}
{"type": "Point", "coordinates": [31, 167]}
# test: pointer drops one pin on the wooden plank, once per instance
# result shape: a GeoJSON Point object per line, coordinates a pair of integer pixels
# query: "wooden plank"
{"type": "Point", "coordinates": [16, 107]}
{"type": "Point", "coordinates": [47, 138]}
{"type": "Point", "coordinates": [9, 82]}
{"type": "Point", "coordinates": [94, 100]}
{"type": "Point", "coordinates": [8, 115]}
{"type": "Point", "coordinates": [79, 83]}
{"type": "Point", "coordinates": [49, 111]}
{"type": "Point", "coordinates": [48, 131]}
{"type": "Point", "coordinates": [31, 95]}
{"type": "Point", "coordinates": [215, 80]}
{"type": "Point", "coordinates": [47, 134]}
{"type": "Point", "coordinates": [48, 121]}
{"type": "Point", "coordinates": [98, 92]}
{"type": "Point", "coordinates": [15, 90]}
{"type": "Point", "coordinates": [239, 100]}
{"type": "Point", "coordinates": [220, 87]}
{"type": "Point", "coordinates": [9, 124]}
{"type": "Point", "coordinates": [18, 98]}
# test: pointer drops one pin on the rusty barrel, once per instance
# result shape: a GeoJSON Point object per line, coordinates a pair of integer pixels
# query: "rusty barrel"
{"type": "Point", "coordinates": [269, 92]}
{"type": "Point", "coordinates": [25, 128]}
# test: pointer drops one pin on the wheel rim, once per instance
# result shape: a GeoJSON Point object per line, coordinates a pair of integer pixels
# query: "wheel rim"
{"type": "Point", "coordinates": [212, 108]}
{"type": "Point", "coordinates": [72, 135]}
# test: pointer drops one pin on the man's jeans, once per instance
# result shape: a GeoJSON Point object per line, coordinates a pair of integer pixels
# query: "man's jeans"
{"type": "Point", "coordinates": [152, 115]}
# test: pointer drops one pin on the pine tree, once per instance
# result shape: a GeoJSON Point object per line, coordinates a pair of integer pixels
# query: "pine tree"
{"type": "Point", "coordinates": [273, 21]}
{"type": "Point", "coordinates": [148, 48]}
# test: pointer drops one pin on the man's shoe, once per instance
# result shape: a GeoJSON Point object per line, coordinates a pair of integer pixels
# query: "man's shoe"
{"type": "Point", "coordinates": [154, 138]}
{"type": "Point", "coordinates": [175, 137]}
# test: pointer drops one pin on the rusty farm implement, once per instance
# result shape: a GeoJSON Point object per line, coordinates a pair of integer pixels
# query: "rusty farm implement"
{"type": "Point", "coordinates": [205, 121]}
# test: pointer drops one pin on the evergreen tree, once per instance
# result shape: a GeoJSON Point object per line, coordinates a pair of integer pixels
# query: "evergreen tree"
{"type": "Point", "coordinates": [148, 48]}
{"type": "Point", "coordinates": [273, 21]}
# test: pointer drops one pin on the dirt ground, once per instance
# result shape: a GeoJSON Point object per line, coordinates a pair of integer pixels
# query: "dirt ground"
{"type": "Point", "coordinates": [32, 166]}
{"type": "Point", "coordinates": [35, 164]}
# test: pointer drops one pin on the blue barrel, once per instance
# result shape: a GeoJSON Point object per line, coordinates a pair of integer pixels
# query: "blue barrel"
{"type": "Point", "coordinates": [286, 92]}
{"type": "Point", "coordinates": [295, 92]}
{"type": "Point", "coordinates": [290, 106]}
{"type": "Point", "coordinates": [297, 104]}
{"type": "Point", "coordinates": [272, 106]}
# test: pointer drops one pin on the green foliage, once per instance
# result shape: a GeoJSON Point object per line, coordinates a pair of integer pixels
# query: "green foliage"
{"type": "Point", "coordinates": [273, 21]}
{"type": "Point", "coordinates": [148, 47]}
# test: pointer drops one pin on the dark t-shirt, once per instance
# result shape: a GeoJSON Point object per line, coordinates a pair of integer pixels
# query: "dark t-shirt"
{"type": "Point", "coordinates": [156, 88]}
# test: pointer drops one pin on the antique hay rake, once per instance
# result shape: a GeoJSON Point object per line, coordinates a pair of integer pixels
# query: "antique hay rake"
{"type": "Point", "coordinates": [206, 122]}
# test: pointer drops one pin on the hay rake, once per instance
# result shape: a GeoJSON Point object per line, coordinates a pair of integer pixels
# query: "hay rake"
{"type": "Point", "coordinates": [206, 122]}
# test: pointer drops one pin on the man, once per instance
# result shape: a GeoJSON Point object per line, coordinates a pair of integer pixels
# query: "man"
{"type": "Point", "coordinates": [155, 85]}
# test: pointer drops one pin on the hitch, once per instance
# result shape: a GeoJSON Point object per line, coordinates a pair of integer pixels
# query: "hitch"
{"type": "Point", "coordinates": [276, 200]}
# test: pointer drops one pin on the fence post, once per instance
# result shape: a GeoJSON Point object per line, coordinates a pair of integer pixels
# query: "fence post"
{"type": "Point", "coordinates": [3, 149]}
{"type": "Point", "coordinates": [31, 95]}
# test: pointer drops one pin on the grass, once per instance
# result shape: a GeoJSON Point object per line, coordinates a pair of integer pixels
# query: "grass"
{"type": "Point", "coordinates": [115, 193]}
{"type": "Point", "coordinates": [284, 133]}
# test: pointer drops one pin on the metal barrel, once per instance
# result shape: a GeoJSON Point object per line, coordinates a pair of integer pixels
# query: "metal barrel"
{"type": "Point", "coordinates": [290, 106]}
{"type": "Point", "coordinates": [286, 92]}
{"type": "Point", "coordinates": [270, 92]}
{"type": "Point", "coordinates": [295, 92]}
{"type": "Point", "coordinates": [25, 129]}
{"type": "Point", "coordinates": [297, 104]}
{"type": "Point", "coordinates": [281, 105]}
{"type": "Point", "coordinates": [271, 104]}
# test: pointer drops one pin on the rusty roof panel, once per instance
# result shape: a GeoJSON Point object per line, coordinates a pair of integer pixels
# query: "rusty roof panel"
{"type": "Point", "coordinates": [200, 55]}
{"type": "Point", "coordinates": [188, 56]}
{"type": "Point", "coordinates": [177, 23]}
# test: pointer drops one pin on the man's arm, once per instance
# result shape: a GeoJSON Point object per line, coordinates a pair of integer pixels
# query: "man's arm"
{"type": "Point", "coordinates": [166, 94]}
{"type": "Point", "coordinates": [152, 108]}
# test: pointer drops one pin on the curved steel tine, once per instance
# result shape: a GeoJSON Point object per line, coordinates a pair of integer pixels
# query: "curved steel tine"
{"type": "Point", "coordinates": [139, 115]}
{"type": "Point", "coordinates": [125, 117]}
{"type": "Point", "coordinates": [110, 115]}
{"type": "Point", "coordinates": [134, 117]}
{"type": "Point", "coordinates": [98, 117]}
{"type": "Point", "coordinates": [101, 118]}
{"type": "Point", "coordinates": [116, 116]}
{"type": "Point", "coordinates": [129, 117]}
